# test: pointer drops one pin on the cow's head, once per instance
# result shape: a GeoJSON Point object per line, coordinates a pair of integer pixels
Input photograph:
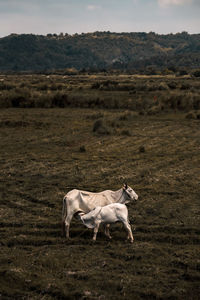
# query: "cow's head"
{"type": "Point", "coordinates": [129, 192]}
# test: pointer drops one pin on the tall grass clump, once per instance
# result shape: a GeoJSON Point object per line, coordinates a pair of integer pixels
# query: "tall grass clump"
{"type": "Point", "coordinates": [182, 101]}
{"type": "Point", "coordinates": [100, 127]}
{"type": "Point", "coordinates": [19, 97]}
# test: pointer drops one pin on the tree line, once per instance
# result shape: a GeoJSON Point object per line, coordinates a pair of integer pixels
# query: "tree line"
{"type": "Point", "coordinates": [101, 51]}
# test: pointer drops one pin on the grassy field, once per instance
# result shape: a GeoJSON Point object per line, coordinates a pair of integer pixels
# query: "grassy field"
{"type": "Point", "coordinates": [45, 152]}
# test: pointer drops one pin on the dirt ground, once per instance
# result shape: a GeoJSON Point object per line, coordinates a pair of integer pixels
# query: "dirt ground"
{"type": "Point", "coordinates": [44, 153]}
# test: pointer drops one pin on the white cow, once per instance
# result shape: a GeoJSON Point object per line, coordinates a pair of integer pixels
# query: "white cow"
{"type": "Point", "coordinates": [106, 215]}
{"type": "Point", "coordinates": [76, 201]}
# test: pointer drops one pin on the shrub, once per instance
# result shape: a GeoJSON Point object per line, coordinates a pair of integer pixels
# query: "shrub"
{"type": "Point", "coordinates": [20, 98]}
{"type": "Point", "coordinates": [185, 86]}
{"type": "Point", "coordinates": [42, 87]}
{"type": "Point", "coordinates": [42, 100]}
{"type": "Point", "coordinates": [196, 101]}
{"type": "Point", "coordinates": [126, 132]}
{"type": "Point", "coordinates": [198, 114]}
{"type": "Point", "coordinates": [5, 102]}
{"type": "Point", "coordinates": [82, 148]}
{"type": "Point", "coordinates": [183, 72]}
{"type": "Point", "coordinates": [142, 149]}
{"type": "Point", "coordinates": [60, 100]}
{"type": "Point", "coordinates": [6, 86]}
{"type": "Point", "coordinates": [172, 85]}
{"type": "Point", "coordinates": [55, 87]}
{"type": "Point", "coordinates": [95, 85]}
{"type": "Point", "coordinates": [95, 116]}
{"type": "Point", "coordinates": [127, 115]}
{"type": "Point", "coordinates": [154, 110]}
{"type": "Point", "coordinates": [196, 73]}
{"type": "Point", "coordinates": [141, 112]}
{"type": "Point", "coordinates": [191, 115]}
{"type": "Point", "coordinates": [163, 86]}
{"type": "Point", "coordinates": [100, 127]}
{"type": "Point", "coordinates": [97, 124]}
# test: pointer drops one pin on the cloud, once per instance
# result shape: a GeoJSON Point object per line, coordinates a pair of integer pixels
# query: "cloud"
{"type": "Point", "coordinates": [92, 7]}
{"type": "Point", "coordinates": [166, 3]}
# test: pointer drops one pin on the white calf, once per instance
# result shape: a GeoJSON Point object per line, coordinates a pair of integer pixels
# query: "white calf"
{"type": "Point", "coordinates": [76, 201]}
{"type": "Point", "coordinates": [107, 214]}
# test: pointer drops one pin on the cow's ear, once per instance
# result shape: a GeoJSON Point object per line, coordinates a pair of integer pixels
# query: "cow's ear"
{"type": "Point", "coordinates": [125, 186]}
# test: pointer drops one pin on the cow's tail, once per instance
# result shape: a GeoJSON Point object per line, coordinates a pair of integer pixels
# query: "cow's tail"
{"type": "Point", "coordinates": [64, 208]}
{"type": "Point", "coordinates": [64, 214]}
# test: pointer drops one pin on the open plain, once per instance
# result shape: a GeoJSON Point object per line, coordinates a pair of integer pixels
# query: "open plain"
{"type": "Point", "coordinates": [94, 133]}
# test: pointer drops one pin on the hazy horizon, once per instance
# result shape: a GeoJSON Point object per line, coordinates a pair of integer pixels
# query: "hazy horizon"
{"type": "Point", "coordinates": [91, 32]}
{"type": "Point", "coordinates": [83, 16]}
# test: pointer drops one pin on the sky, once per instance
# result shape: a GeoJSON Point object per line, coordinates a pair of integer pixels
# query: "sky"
{"type": "Point", "coordinates": [78, 16]}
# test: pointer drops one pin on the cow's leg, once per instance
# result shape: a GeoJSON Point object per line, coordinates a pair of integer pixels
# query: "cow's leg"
{"type": "Point", "coordinates": [128, 229]}
{"type": "Point", "coordinates": [96, 228]}
{"type": "Point", "coordinates": [107, 232]}
{"type": "Point", "coordinates": [67, 224]}
{"type": "Point", "coordinates": [63, 228]}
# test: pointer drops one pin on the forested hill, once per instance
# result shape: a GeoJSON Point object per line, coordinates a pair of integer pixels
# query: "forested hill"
{"type": "Point", "coordinates": [99, 50]}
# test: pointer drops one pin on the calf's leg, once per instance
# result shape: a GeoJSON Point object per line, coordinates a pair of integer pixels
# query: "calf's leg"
{"type": "Point", "coordinates": [107, 232]}
{"type": "Point", "coordinates": [128, 229]}
{"type": "Point", "coordinates": [96, 228]}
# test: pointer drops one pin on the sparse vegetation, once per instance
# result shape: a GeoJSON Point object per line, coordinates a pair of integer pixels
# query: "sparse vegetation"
{"type": "Point", "coordinates": [49, 146]}
{"type": "Point", "coordinates": [142, 94]}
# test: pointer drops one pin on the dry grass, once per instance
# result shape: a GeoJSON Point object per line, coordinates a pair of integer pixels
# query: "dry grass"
{"type": "Point", "coordinates": [41, 160]}
{"type": "Point", "coordinates": [148, 94]}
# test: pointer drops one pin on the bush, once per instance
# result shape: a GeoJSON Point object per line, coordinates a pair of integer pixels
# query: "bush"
{"type": "Point", "coordinates": [95, 85]}
{"type": "Point", "coordinates": [42, 101]}
{"type": "Point", "coordinates": [6, 86]}
{"type": "Point", "coordinates": [60, 100]}
{"type": "Point", "coordinates": [183, 72]}
{"type": "Point", "coordinates": [100, 127]}
{"type": "Point", "coordinates": [196, 101]}
{"type": "Point", "coordinates": [5, 102]}
{"type": "Point", "coordinates": [42, 87]}
{"type": "Point", "coordinates": [20, 98]}
{"type": "Point", "coordinates": [154, 110]}
{"type": "Point", "coordinates": [126, 132]}
{"type": "Point", "coordinates": [163, 86]}
{"type": "Point", "coordinates": [141, 149]}
{"type": "Point", "coordinates": [97, 124]}
{"type": "Point", "coordinates": [191, 115]}
{"type": "Point", "coordinates": [82, 149]}
{"type": "Point", "coordinates": [198, 114]}
{"type": "Point", "coordinates": [127, 115]}
{"type": "Point", "coordinates": [185, 86]}
{"type": "Point", "coordinates": [172, 85]}
{"type": "Point", "coordinates": [196, 73]}
{"type": "Point", "coordinates": [95, 116]}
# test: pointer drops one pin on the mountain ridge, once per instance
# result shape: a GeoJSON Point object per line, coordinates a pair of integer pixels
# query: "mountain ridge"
{"type": "Point", "coordinates": [99, 50]}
